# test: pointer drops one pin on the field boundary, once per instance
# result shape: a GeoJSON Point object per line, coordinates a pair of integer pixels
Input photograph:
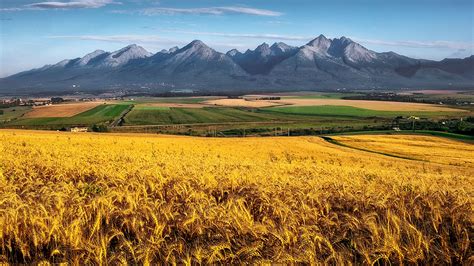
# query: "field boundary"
{"type": "Point", "coordinates": [335, 142]}
{"type": "Point", "coordinates": [452, 136]}
{"type": "Point", "coordinates": [121, 118]}
{"type": "Point", "coordinates": [210, 124]}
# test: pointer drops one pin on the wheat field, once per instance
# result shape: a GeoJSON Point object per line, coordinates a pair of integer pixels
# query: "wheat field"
{"type": "Point", "coordinates": [147, 199]}
{"type": "Point", "coordinates": [62, 110]}
{"type": "Point", "coordinates": [364, 104]}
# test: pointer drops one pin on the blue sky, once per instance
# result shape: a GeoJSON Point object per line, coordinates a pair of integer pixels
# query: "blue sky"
{"type": "Point", "coordinates": [36, 32]}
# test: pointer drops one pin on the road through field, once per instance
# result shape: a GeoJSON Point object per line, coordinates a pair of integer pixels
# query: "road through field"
{"type": "Point", "coordinates": [119, 120]}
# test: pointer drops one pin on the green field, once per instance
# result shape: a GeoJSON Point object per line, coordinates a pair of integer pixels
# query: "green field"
{"type": "Point", "coordinates": [144, 116]}
{"type": "Point", "coordinates": [99, 114]}
{"type": "Point", "coordinates": [13, 113]}
{"type": "Point", "coordinates": [348, 111]}
{"type": "Point", "coordinates": [153, 108]}
{"type": "Point", "coordinates": [240, 118]}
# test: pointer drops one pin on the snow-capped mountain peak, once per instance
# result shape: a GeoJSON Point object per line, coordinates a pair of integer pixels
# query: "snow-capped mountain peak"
{"type": "Point", "coordinates": [132, 50]}
{"type": "Point", "coordinates": [173, 49]}
{"type": "Point", "coordinates": [196, 44]}
{"type": "Point", "coordinates": [124, 55]}
{"type": "Point", "coordinates": [263, 50]}
{"type": "Point", "coordinates": [338, 62]}
{"type": "Point", "coordinates": [321, 43]}
{"type": "Point", "coordinates": [355, 52]}
{"type": "Point", "coordinates": [233, 52]}
{"type": "Point", "coordinates": [195, 49]}
{"type": "Point", "coordinates": [319, 46]}
{"type": "Point", "coordinates": [169, 51]}
{"type": "Point", "coordinates": [281, 47]}
{"type": "Point", "coordinates": [263, 58]}
{"type": "Point", "coordinates": [61, 63]}
{"type": "Point", "coordinates": [262, 47]}
{"type": "Point", "coordinates": [88, 57]}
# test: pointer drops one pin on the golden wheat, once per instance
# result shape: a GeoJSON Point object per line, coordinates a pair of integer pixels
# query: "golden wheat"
{"type": "Point", "coordinates": [143, 199]}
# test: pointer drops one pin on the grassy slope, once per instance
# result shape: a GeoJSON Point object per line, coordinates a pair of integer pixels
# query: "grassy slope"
{"type": "Point", "coordinates": [193, 115]}
{"type": "Point", "coordinates": [160, 116]}
{"type": "Point", "coordinates": [13, 113]}
{"type": "Point", "coordinates": [153, 108]}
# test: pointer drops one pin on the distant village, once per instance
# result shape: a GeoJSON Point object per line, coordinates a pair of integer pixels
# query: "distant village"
{"type": "Point", "coordinates": [47, 101]}
{"type": "Point", "coordinates": [31, 102]}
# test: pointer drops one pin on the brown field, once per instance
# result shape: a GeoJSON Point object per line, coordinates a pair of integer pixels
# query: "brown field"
{"type": "Point", "coordinates": [372, 105]}
{"type": "Point", "coordinates": [290, 93]}
{"type": "Point", "coordinates": [61, 110]}
{"type": "Point", "coordinates": [242, 103]}
{"type": "Point", "coordinates": [175, 105]}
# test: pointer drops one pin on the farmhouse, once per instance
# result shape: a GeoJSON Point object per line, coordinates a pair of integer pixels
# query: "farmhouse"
{"type": "Point", "coordinates": [79, 129]}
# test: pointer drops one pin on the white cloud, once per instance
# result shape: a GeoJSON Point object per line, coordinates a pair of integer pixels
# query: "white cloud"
{"type": "Point", "coordinates": [8, 9]}
{"type": "Point", "coordinates": [71, 4]}
{"type": "Point", "coordinates": [419, 44]}
{"type": "Point", "coordinates": [150, 41]}
{"type": "Point", "coordinates": [204, 11]}
{"type": "Point", "coordinates": [155, 39]}
{"type": "Point", "coordinates": [76, 4]}
{"type": "Point", "coordinates": [461, 53]}
{"type": "Point", "coordinates": [245, 35]}
{"type": "Point", "coordinates": [12, 9]}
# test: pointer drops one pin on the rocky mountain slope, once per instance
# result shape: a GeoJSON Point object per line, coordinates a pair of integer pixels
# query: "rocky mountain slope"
{"type": "Point", "coordinates": [322, 63]}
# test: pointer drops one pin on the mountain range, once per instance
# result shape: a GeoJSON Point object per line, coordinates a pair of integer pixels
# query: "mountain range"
{"type": "Point", "coordinates": [322, 63]}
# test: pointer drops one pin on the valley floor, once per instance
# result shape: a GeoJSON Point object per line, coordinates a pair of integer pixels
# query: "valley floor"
{"type": "Point", "coordinates": [276, 114]}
